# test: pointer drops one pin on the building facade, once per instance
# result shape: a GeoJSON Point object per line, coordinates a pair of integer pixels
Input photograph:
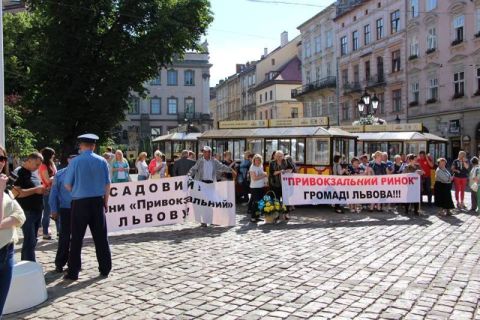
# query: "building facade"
{"type": "Point", "coordinates": [247, 84]}
{"type": "Point", "coordinates": [228, 99]}
{"type": "Point", "coordinates": [319, 66]}
{"type": "Point", "coordinates": [444, 70]}
{"type": "Point", "coordinates": [179, 95]}
{"type": "Point", "coordinates": [370, 43]}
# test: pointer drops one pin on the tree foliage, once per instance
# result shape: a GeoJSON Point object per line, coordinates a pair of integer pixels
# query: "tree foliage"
{"type": "Point", "coordinates": [20, 140]}
{"type": "Point", "coordinates": [77, 60]}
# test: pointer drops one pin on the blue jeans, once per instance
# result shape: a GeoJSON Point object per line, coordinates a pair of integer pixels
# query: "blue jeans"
{"type": "Point", "coordinates": [30, 230]}
{"type": "Point", "coordinates": [142, 178]}
{"type": "Point", "coordinates": [6, 267]}
{"type": "Point", "coordinates": [46, 216]}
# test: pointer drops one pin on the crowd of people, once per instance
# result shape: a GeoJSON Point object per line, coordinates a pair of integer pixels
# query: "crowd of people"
{"type": "Point", "coordinates": [40, 192]}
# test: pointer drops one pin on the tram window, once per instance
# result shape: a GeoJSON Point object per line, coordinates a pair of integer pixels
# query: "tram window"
{"type": "Point", "coordinates": [342, 147]}
{"type": "Point", "coordinates": [201, 144]}
{"type": "Point", "coordinates": [351, 149]}
{"type": "Point", "coordinates": [230, 148]}
{"type": "Point", "coordinates": [394, 149]}
{"type": "Point", "coordinates": [255, 146]}
{"type": "Point", "coordinates": [238, 149]}
{"type": "Point", "coordinates": [317, 151]}
{"type": "Point", "coordinates": [372, 147]}
{"type": "Point", "coordinates": [168, 149]}
{"type": "Point", "coordinates": [270, 146]}
{"type": "Point", "coordinates": [298, 150]}
{"type": "Point", "coordinates": [415, 147]}
{"type": "Point", "coordinates": [177, 148]}
{"type": "Point", "coordinates": [190, 145]}
{"type": "Point", "coordinates": [284, 146]}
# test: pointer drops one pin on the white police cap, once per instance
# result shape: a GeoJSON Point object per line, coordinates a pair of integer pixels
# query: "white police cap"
{"type": "Point", "coordinates": [88, 138]}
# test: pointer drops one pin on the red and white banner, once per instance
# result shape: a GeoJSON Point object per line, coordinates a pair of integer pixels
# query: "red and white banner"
{"type": "Point", "coordinates": [166, 201]}
{"type": "Point", "coordinates": [299, 189]}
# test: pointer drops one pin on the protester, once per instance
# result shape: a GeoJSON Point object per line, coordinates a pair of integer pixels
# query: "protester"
{"type": "Point", "coordinates": [355, 169]}
{"type": "Point", "coordinates": [207, 168]}
{"type": "Point", "coordinates": [364, 163]}
{"type": "Point", "coordinates": [426, 164]}
{"type": "Point", "coordinates": [338, 170]}
{"type": "Point", "coordinates": [257, 185]}
{"type": "Point", "coordinates": [191, 155]}
{"type": "Point", "coordinates": [377, 167]}
{"type": "Point", "coordinates": [398, 165]}
{"type": "Point", "coordinates": [474, 173]}
{"type": "Point", "coordinates": [228, 161]}
{"type": "Point", "coordinates": [157, 167]}
{"type": "Point", "coordinates": [443, 188]}
{"type": "Point", "coordinates": [47, 171]}
{"type": "Point", "coordinates": [412, 167]}
{"type": "Point", "coordinates": [11, 217]}
{"type": "Point", "coordinates": [182, 165]}
{"type": "Point", "coordinates": [120, 168]}
{"type": "Point", "coordinates": [30, 192]}
{"type": "Point", "coordinates": [244, 177]}
{"type": "Point", "coordinates": [88, 180]}
{"type": "Point", "coordinates": [460, 168]}
{"type": "Point", "coordinates": [60, 203]}
{"type": "Point", "coordinates": [276, 168]}
{"type": "Point", "coordinates": [142, 167]}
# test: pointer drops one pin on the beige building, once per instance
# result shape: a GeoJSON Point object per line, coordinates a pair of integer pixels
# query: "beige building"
{"type": "Point", "coordinates": [370, 42]}
{"type": "Point", "coordinates": [228, 99]}
{"type": "Point", "coordinates": [319, 66]}
{"type": "Point", "coordinates": [179, 95]}
{"type": "Point", "coordinates": [277, 74]}
{"type": "Point", "coordinates": [444, 70]}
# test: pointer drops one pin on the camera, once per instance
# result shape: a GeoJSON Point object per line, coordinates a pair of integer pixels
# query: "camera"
{"type": "Point", "coordinates": [12, 178]}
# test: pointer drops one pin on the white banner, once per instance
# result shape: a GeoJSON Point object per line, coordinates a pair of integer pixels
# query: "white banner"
{"type": "Point", "coordinates": [301, 189]}
{"type": "Point", "coordinates": [166, 201]}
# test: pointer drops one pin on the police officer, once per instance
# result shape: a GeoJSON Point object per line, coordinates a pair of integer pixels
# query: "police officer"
{"type": "Point", "coordinates": [88, 180]}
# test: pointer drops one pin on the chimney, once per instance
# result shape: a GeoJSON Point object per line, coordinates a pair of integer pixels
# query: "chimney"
{"type": "Point", "coordinates": [239, 67]}
{"type": "Point", "coordinates": [265, 52]}
{"type": "Point", "coordinates": [283, 38]}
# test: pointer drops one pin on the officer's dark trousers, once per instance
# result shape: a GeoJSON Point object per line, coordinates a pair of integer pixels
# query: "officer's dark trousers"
{"type": "Point", "coordinates": [89, 212]}
{"type": "Point", "coordinates": [64, 239]}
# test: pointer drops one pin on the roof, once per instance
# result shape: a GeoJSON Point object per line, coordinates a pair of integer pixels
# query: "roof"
{"type": "Point", "coordinates": [286, 132]}
{"type": "Point", "coordinates": [397, 136]}
{"type": "Point", "coordinates": [324, 11]}
{"type": "Point", "coordinates": [289, 73]}
{"type": "Point", "coordinates": [178, 136]}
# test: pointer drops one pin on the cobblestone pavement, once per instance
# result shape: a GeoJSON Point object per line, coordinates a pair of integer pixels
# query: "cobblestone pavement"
{"type": "Point", "coordinates": [320, 265]}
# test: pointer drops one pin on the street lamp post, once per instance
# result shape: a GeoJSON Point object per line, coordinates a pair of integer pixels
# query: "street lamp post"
{"type": "Point", "coordinates": [367, 107]}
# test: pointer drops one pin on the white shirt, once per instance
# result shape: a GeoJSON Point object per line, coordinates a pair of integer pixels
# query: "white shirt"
{"type": "Point", "coordinates": [142, 168]}
{"type": "Point", "coordinates": [260, 183]}
{"type": "Point", "coordinates": [208, 170]}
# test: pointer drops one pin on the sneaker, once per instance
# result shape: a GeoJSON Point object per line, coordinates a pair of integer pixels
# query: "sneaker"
{"type": "Point", "coordinates": [70, 277]}
{"type": "Point", "coordinates": [253, 220]}
{"type": "Point", "coordinates": [47, 237]}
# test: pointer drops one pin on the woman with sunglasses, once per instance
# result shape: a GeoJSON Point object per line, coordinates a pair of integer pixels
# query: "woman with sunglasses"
{"type": "Point", "coordinates": [11, 217]}
{"type": "Point", "coordinates": [47, 171]}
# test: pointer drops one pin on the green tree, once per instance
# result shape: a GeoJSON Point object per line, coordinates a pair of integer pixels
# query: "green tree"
{"type": "Point", "coordinates": [89, 54]}
{"type": "Point", "coordinates": [20, 141]}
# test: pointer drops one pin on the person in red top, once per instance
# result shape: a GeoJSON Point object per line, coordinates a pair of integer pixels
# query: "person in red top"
{"type": "Point", "coordinates": [46, 172]}
{"type": "Point", "coordinates": [426, 164]}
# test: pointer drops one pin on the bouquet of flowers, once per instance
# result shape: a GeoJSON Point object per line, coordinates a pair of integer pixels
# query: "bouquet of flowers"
{"type": "Point", "coordinates": [271, 207]}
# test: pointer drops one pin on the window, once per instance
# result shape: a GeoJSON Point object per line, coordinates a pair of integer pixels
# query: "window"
{"type": "Point", "coordinates": [367, 70]}
{"type": "Point", "coordinates": [271, 94]}
{"type": "Point", "coordinates": [432, 39]}
{"type": "Point", "coordinates": [155, 81]}
{"type": "Point", "coordinates": [343, 46]}
{"type": "Point", "coordinates": [380, 68]}
{"type": "Point", "coordinates": [266, 96]}
{"type": "Point", "coordinates": [432, 89]}
{"type": "Point", "coordinates": [345, 111]}
{"type": "Point", "coordinates": [431, 4]}
{"type": "Point", "coordinates": [308, 76]}
{"type": "Point", "coordinates": [329, 39]}
{"type": "Point", "coordinates": [260, 97]}
{"type": "Point", "coordinates": [477, 22]}
{"type": "Point", "coordinates": [355, 40]}
{"type": "Point", "coordinates": [172, 105]}
{"type": "Point", "coordinates": [155, 106]}
{"type": "Point", "coordinates": [190, 106]}
{"type": "Point", "coordinates": [294, 112]}
{"type": "Point", "coordinates": [329, 69]}
{"type": "Point", "coordinates": [189, 77]}
{"type": "Point", "coordinates": [397, 100]}
{"type": "Point", "coordinates": [307, 52]}
{"type": "Point", "coordinates": [318, 44]}
{"type": "Point", "coordinates": [458, 26]}
{"type": "Point", "coordinates": [414, 51]}
{"type": "Point", "coordinates": [414, 87]}
{"type": "Point", "coordinates": [318, 73]}
{"type": "Point", "coordinates": [331, 105]}
{"type": "Point", "coordinates": [172, 77]}
{"type": "Point", "coordinates": [345, 76]}
{"type": "Point", "coordinates": [273, 62]}
{"type": "Point", "coordinates": [381, 103]}
{"type": "Point", "coordinates": [478, 81]}
{"type": "Point", "coordinates": [155, 132]}
{"type": "Point", "coordinates": [380, 32]}
{"type": "Point", "coordinates": [318, 151]}
{"type": "Point", "coordinates": [356, 74]}
{"type": "Point", "coordinates": [396, 61]}
{"type": "Point", "coordinates": [414, 8]}
{"type": "Point", "coordinates": [366, 34]}
{"type": "Point", "coordinates": [395, 21]}
{"type": "Point", "coordinates": [459, 84]}
{"type": "Point", "coordinates": [133, 105]}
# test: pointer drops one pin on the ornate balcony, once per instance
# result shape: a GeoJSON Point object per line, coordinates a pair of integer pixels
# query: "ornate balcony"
{"type": "Point", "coordinates": [328, 82]}
{"type": "Point", "coordinates": [352, 87]}
{"type": "Point", "coordinates": [376, 81]}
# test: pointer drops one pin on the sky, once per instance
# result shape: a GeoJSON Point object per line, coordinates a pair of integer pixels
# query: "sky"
{"type": "Point", "coordinates": [242, 28]}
